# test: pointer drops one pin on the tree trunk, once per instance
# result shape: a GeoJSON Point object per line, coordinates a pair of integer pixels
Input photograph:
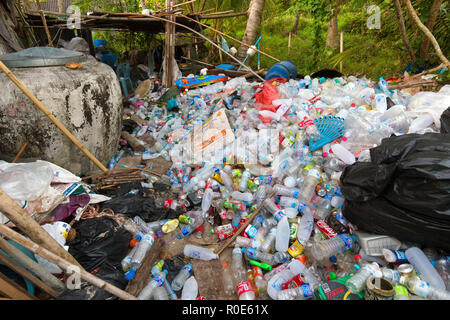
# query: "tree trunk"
{"type": "Point", "coordinates": [426, 31]}
{"type": "Point", "coordinates": [401, 26]}
{"type": "Point", "coordinates": [253, 23]}
{"type": "Point", "coordinates": [295, 27]}
{"type": "Point", "coordinates": [434, 13]}
{"type": "Point", "coordinates": [333, 36]}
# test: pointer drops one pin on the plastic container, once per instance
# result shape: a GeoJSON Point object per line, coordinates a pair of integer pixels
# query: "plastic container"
{"type": "Point", "coordinates": [357, 282]}
{"type": "Point", "coordinates": [190, 289]}
{"type": "Point", "coordinates": [146, 293]}
{"type": "Point", "coordinates": [343, 154]}
{"type": "Point", "coordinates": [282, 236]}
{"type": "Point", "coordinates": [324, 249]}
{"type": "Point", "coordinates": [227, 280]}
{"type": "Point", "coordinates": [373, 244]}
{"type": "Point", "coordinates": [424, 268]}
{"type": "Point", "coordinates": [197, 252]}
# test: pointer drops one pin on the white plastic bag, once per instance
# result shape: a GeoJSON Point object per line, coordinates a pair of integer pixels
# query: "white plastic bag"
{"type": "Point", "coordinates": [25, 181]}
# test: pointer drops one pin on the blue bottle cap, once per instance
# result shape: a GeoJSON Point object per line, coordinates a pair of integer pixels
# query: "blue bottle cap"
{"type": "Point", "coordinates": [333, 259]}
{"type": "Point", "coordinates": [130, 274]}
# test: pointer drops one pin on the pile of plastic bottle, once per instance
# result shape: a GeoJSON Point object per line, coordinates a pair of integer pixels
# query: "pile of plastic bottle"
{"type": "Point", "coordinates": [299, 246]}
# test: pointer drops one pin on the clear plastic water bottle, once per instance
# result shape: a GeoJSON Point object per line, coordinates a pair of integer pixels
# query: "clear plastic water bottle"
{"type": "Point", "coordinates": [227, 280]}
{"type": "Point", "coordinates": [357, 282]}
{"type": "Point", "coordinates": [254, 254]}
{"type": "Point", "coordinates": [181, 277]}
{"type": "Point", "coordinates": [197, 252]}
{"type": "Point", "coordinates": [126, 262]}
{"type": "Point", "coordinates": [226, 179]}
{"type": "Point", "coordinates": [288, 202]}
{"type": "Point", "coordinates": [273, 209]}
{"type": "Point", "coordinates": [303, 292]}
{"type": "Point", "coordinates": [207, 200]}
{"type": "Point", "coordinates": [309, 186]}
{"type": "Point", "coordinates": [423, 289]}
{"type": "Point", "coordinates": [244, 180]}
{"type": "Point", "coordinates": [443, 268]}
{"type": "Point", "coordinates": [146, 293]}
{"type": "Point", "coordinates": [143, 247]}
{"type": "Point", "coordinates": [160, 293]}
{"type": "Point", "coordinates": [192, 226]}
{"type": "Point", "coordinates": [236, 219]}
{"type": "Point", "coordinates": [247, 242]}
{"type": "Point", "coordinates": [269, 241]}
{"type": "Point", "coordinates": [190, 289]}
{"type": "Point", "coordinates": [324, 249]}
{"type": "Point", "coordinates": [286, 191]}
{"type": "Point", "coordinates": [282, 236]}
{"type": "Point", "coordinates": [424, 268]}
{"type": "Point", "coordinates": [393, 276]}
{"type": "Point", "coordinates": [240, 196]}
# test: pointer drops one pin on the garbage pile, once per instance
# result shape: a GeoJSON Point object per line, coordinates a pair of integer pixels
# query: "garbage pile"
{"type": "Point", "coordinates": [326, 189]}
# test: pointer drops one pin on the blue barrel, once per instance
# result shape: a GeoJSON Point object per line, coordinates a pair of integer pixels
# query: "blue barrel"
{"type": "Point", "coordinates": [283, 69]}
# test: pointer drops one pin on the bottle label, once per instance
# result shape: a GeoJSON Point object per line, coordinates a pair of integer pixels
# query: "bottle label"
{"type": "Point", "coordinates": [296, 194]}
{"type": "Point", "coordinates": [307, 291]}
{"type": "Point", "coordinates": [186, 230]}
{"type": "Point", "coordinates": [188, 268]}
{"type": "Point", "coordinates": [250, 252]}
{"type": "Point", "coordinates": [401, 291]}
{"type": "Point", "coordinates": [422, 289]}
{"type": "Point", "coordinates": [257, 272]}
{"type": "Point", "coordinates": [326, 229]}
{"type": "Point", "coordinates": [159, 280]}
{"type": "Point", "coordinates": [293, 283]}
{"type": "Point", "coordinates": [400, 256]}
{"type": "Point", "coordinates": [293, 231]}
{"type": "Point", "coordinates": [244, 287]}
{"type": "Point", "coordinates": [296, 249]}
{"type": "Point", "coordinates": [347, 240]}
{"type": "Point", "coordinates": [251, 231]}
{"type": "Point", "coordinates": [148, 238]}
{"type": "Point", "coordinates": [280, 214]}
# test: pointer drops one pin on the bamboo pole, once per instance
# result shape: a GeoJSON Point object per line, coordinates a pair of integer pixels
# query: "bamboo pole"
{"type": "Point", "coordinates": [182, 4]}
{"type": "Point", "coordinates": [154, 17]}
{"type": "Point", "coordinates": [230, 37]}
{"type": "Point", "coordinates": [31, 265]}
{"type": "Point", "coordinates": [31, 228]}
{"type": "Point", "coordinates": [24, 273]}
{"type": "Point", "coordinates": [39, 104]}
{"type": "Point", "coordinates": [341, 50]}
{"type": "Point", "coordinates": [44, 22]}
{"type": "Point", "coordinates": [20, 152]}
{"type": "Point", "coordinates": [64, 264]}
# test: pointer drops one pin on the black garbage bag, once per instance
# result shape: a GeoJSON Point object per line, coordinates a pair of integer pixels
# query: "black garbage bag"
{"type": "Point", "coordinates": [445, 121]}
{"type": "Point", "coordinates": [404, 191]}
{"type": "Point", "coordinates": [141, 202]}
{"type": "Point", "coordinates": [87, 291]}
{"type": "Point", "coordinates": [99, 240]}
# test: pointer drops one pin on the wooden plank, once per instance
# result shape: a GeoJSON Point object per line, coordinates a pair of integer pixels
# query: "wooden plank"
{"type": "Point", "coordinates": [24, 273]}
{"type": "Point", "coordinates": [142, 276]}
{"type": "Point", "coordinates": [13, 290]}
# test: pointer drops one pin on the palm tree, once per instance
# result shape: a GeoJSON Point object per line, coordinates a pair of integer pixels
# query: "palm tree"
{"type": "Point", "coordinates": [253, 23]}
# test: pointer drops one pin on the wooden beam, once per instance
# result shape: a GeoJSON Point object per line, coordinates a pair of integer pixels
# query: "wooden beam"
{"type": "Point", "coordinates": [44, 22]}
{"type": "Point", "coordinates": [64, 264]}
{"type": "Point", "coordinates": [22, 149]}
{"type": "Point", "coordinates": [24, 273]}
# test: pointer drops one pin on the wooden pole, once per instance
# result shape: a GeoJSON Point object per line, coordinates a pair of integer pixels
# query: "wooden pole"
{"type": "Point", "coordinates": [169, 48]}
{"type": "Point", "coordinates": [183, 3]}
{"type": "Point", "coordinates": [341, 50]}
{"type": "Point", "coordinates": [44, 22]}
{"type": "Point", "coordinates": [20, 152]}
{"type": "Point", "coordinates": [13, 290]}
{"type": "Point", "coordinates": [39, 104]}
{"type": "Point", "coordinates": [31, 265]}
{"type": "Point", "coordinates": [64, 264]}
{"type": "Point", "coordinates": [289, 42]}
{"type": "Point", "coordinates": [31, 228]}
